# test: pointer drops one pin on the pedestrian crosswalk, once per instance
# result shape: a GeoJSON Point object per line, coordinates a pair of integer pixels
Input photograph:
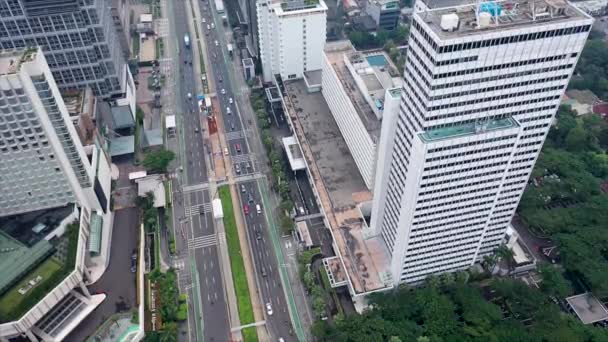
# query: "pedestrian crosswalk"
{"type": "Point", "coordinates": [198, 209]}
{"type": "Point", "coordinates": [240, 158]}
{"type": "Point", "coordinates": [202, 241]}
{"type": "Point", "coordinates": [234, 135]}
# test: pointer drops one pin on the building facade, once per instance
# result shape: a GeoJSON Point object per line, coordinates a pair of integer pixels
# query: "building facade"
{"type": "Point", "coordinates": [482, 86]}
{"type": "Point", "coordinates": [291, 37]}
{"type": "Point", "coordinates": [79, 39]}
{"type": "Point", "coordinates": [45, 168]}
{"type": "Point", "coordinates": [386, 13]}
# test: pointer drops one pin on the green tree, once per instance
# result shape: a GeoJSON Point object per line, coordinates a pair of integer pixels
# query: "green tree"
{"type": "Point", "coordinates": [158, 161]}
{"type": "Point", "coordinates": [553, 284]}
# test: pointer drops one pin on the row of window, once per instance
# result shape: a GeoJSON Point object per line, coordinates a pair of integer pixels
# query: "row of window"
{"type": "Point", "coordinates": [498, 41]}
{"type": "Point", "coordinates": [467, 177]}
{"type": "Point", "coordinates": [454, 214]}
{"type": "Point", "coordinates": [466, 161]}
{"type": "Point", "coordinates": [443, 224]}
{"type": "Point", "coordinates": [498, 107]}
{"type": "Point", "coordinates": [428, 231]}
{"type": "Point", "coordinates": [466, 153]}
{"type": "Point", "coordinates": [496, 98]}
{"type": "Point", "coordinates": [499, 87]}
{"type": "Point", "coordinates": [464, 185]}
{"type": "Point", "coordinates": [499, 77]}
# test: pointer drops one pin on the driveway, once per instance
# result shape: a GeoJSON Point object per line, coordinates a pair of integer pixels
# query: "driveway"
{"type": "Point", "coordinates": [118, 283]}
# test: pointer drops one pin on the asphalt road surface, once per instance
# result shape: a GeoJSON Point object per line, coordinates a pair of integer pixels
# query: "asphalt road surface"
{"type": "Point", "coordinates": [196, 205]}
{"type": "Point", "coordinates": [264, 258]}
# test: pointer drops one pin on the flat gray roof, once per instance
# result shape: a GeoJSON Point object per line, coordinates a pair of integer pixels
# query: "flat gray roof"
{"type": "Point", "coordinates": [314, 77]}
{"type": "Point", "coordinates": [588, 308]}
{"type": "Point", "coordinates": [122, 117]}
{"type": "Point", "coordinates": [332, 157]}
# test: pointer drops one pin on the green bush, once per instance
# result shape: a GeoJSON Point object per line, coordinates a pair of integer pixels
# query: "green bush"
{"type": "Point", "coordinates": [182, 312]}
{"type": "Point", "coordinates": [183, 298]}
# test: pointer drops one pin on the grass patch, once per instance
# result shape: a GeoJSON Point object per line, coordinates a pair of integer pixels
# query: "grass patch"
{"type": "Point", "coordinates": [160, 48]}
{"type": "Point", "coordinates": [249, 334]}
{"type": "Point", "coordinates": [201, 60]}
{"type": "Point", "coordinates": [135, 45]}
{"type": "Point", "coordinates": [13, 299]}
{"type": "Point", "coordinates": [236, 264]}
{"type": "Point", "coordinates": [13, 305]}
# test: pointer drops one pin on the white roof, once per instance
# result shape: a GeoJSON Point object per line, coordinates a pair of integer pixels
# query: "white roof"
{"type": "Point", "coordinates": [170, 121]}
{"type": "Point", "coordinates": [145, 18]}
{"type": "Point", "coordinates": [137, 175]}
{"type": "Point", "coordinates": [294, 154]}
{"type": "Point", "coordinates": [155, 184]}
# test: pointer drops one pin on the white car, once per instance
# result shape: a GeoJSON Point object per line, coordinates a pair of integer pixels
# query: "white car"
{"type": "Point", "coordinates": [230, 100]}
{"type": "Point", "coordinates": [204, 20]}
{"type": "Point", "coordinates": [216, 43]}
{"type": "Point", "coordinates": [208, 27]}
{"type": "Point", "coordinates": [223, 91]}
{"type": "Point", "coordinates": [212, 25]}
{"type": "Point", "coordinates": [189, 96]}
{"type": "Point", "coordinates": [269, 309]}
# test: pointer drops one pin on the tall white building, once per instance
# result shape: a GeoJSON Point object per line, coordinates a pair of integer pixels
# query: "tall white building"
{"type": "Point", "coordinates": [44, 171]}
{"type": "Point", "coordinates": [482, 85]}
{"type": "Point", "coordinates": [44, 165]}
{"type": "Point", "coordinates": [291, 37]}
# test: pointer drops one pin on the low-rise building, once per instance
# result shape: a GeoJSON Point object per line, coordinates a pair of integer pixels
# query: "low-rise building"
{"type": "Point", "coordinates": [386, 13]}
{"type": "Point", "coordinates": [360, 87]}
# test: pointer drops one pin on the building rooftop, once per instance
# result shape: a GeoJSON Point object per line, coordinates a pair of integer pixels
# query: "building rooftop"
{"type": "Point", "coordinates": [32, 251]}
{"type": "Point", "coordinates": [466, 129]}
{"type": "Point", "coordinates": [294, 154]}
{"type": "Point", "coordinates": [496, 15]}
{"type": "Point", "coordinates": [11, 60]}
{"type": "Point", "coordinates": [341, 189]}
{"type": "Point", "coordinates": [287, 7]}
{"type": "Point", "coordinates": [338, 53]}
{"type": "Point", "coordinates": [588, 308]}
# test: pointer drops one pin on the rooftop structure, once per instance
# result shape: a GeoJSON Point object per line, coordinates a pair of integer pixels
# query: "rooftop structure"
{"type": "Point", "coordinates": [294, 154]}
{"type": "Point", "coordinates": [450, 19]}
{"type": "Point", "coordinates": [588, 308]}
{"type": "Point", "coordinates": [362, 261]}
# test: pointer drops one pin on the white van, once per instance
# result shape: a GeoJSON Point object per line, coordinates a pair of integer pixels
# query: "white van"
{"type": "Point", "coordinates": [258, 209]}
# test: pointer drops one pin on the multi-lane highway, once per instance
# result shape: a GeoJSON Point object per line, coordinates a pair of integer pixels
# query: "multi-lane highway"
{"type": "Point", "coordinates": [197, 241]}
{"type": "Point", "coordinates": [243, 161]}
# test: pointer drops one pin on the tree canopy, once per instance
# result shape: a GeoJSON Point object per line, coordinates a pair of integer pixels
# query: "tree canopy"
{"type": "Point", "coordinates": [565, 200]}
{"type": "Point", "coordinates": [157, 161]}
{"type": "Point", "coordinates": [460, 312]}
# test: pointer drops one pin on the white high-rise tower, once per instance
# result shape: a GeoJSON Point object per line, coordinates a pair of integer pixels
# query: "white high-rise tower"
{"type": "Point", "coordinates": [291, 36]}
{"type": "Point", "coordinates": [482, 85]}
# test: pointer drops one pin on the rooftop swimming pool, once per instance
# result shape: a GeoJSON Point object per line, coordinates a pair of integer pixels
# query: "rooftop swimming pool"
{"type": "Point", "coordinates": [377, 60]}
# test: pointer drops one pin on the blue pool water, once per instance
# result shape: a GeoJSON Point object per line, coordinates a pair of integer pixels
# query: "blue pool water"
{"type": "Point", "coordinates": [377, 60]}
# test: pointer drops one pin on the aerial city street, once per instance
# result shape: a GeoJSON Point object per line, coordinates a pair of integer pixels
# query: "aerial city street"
{"type": "Point", "coordinates": [303, 170]}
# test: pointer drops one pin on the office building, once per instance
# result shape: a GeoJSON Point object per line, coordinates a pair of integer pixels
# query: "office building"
{"type": "Point", "coordinates": [291, 37]}
{"type": "Point", "coordinates": [55, 220]}
{"type": "Point", "coordinates": [482, 85]}
{"type": "Point", "coordinates": [356, 86]}
{"type": "Point", "coordinates": [385, 13]}
{"type": "Point", "coordinates": [78, 37]}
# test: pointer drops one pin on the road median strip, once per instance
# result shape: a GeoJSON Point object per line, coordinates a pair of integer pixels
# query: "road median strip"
{"type": "Point", "coordinates": [237, 265]}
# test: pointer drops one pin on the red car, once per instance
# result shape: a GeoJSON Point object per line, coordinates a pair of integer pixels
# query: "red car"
{"type": "Point", "coordinates": [237, 147]}
{"type": "Point", "coordinates": [246, 209]}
